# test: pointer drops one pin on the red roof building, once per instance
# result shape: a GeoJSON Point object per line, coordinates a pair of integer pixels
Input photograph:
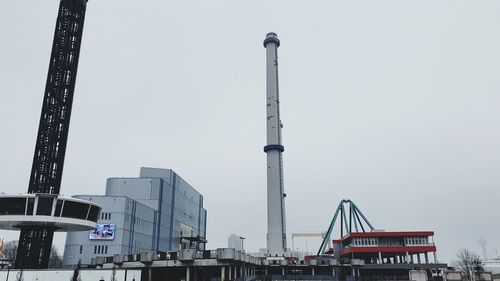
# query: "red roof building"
{"type": "Point", "coordinates": [381, 247]}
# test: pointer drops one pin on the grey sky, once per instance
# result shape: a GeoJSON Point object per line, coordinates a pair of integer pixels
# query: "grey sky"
{"type": "Point", "coordinates": [393, 104]}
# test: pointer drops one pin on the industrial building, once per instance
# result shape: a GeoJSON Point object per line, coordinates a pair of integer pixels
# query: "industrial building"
{"type": "Point", "coordinates": [149, 213]}
{"type": "Point", "coordinates": [235, 242]}
{"type": "Point", "coordinates": [388, 254]}
{"type": "Point", "coordinates": [380, 247]}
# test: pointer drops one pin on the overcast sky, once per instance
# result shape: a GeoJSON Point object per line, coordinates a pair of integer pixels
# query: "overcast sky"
{"type": "Point", "coordinates": [393, 104]}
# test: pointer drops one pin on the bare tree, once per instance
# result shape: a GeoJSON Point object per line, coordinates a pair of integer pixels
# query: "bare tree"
{"type": "Point", "coordinates": [467, 261]}
{"type": "Point", "coordinates": [55, 261]}
{"type": "Point", "coordinates": [10, 251]}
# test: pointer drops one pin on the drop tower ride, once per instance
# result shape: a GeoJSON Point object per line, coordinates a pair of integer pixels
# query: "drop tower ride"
{"type": "Point", "coordinates": [45, 211]}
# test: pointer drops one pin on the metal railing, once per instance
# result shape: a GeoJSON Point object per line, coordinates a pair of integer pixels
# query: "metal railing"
{"type": "Point", "coordinates": [383, 278]}
{"type": "Point", "coordinates": [290, 277]}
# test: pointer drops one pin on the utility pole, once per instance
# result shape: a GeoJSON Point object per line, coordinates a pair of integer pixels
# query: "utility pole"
{"type": "Point", "coordinates": [242, 243]}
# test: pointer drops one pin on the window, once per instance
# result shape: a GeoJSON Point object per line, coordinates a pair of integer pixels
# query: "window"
{"type": "Point", "coordinates": [106, 249]}
{"type": "Point", "coordinates": [31, 204]}
{"type": "Point", "coordinates": [75, 210]}
{"type": "Point", "coordinates": [93, 213]}
{"type": "Point", "coordinates": [81, 249]}
{"type": "Point", "coordinates": [355, 241]}
{"type": "Point", "coordinates": [95, 249]}
{"type": "Point", "coordinates": [58, 208]}
{"type": "Point", "coordinates": [12, 206]}
{"type": "Point", "coordinates": [44, 207]}
{"type": "Point", "coordinates": [105, 216]}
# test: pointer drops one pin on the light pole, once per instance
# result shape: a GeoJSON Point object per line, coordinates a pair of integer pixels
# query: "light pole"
{"type": "Point", "coordinates": [8, 271]}
{"type": "Point", "coordinates": [242, 242]}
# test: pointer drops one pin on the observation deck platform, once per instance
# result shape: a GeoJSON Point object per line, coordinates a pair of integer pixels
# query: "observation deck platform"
{"type": "Point", "coordinates": [47, 210]}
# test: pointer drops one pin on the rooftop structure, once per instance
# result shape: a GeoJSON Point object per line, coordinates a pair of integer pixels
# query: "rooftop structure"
{"type": "Point", "coordinates": [379, 247]}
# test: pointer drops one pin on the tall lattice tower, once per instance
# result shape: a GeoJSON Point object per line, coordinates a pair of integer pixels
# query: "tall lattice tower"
{"type": "Point", "coordinates": [35, 240]}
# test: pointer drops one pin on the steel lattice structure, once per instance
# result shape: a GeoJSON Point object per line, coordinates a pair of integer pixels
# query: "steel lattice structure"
{"type": "Point", "coordinates": [354, 217]}
{"type": "Point", "coordinates": [35, 242]}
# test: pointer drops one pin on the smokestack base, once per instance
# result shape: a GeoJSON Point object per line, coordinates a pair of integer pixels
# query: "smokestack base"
{"type": "Point", "coordinates": [271, 37]}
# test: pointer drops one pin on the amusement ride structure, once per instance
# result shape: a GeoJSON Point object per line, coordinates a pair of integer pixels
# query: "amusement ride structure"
{"type": "Point", "coordinates": [42, 211]}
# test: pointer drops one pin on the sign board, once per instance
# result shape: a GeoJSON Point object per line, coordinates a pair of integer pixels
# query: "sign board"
{"type": "Point", "coordinates": [103, 232]}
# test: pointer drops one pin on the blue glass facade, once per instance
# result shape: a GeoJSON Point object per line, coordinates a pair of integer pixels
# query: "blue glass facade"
{"type": "Point", "coordinates": [157, 203]}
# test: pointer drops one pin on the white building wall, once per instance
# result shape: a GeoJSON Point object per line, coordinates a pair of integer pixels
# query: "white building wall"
{"type": "Point", "coordinates": [134, 231]}
{"type": "Point", "coordinates": [234, 241]}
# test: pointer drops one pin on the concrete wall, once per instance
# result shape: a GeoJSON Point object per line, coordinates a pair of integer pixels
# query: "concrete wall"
{"type": "Point", "coordinates": [85, 275]}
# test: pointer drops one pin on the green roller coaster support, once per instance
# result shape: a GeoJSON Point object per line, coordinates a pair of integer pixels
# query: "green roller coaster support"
{"type": "Point", "coordinates": [345, 225]}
